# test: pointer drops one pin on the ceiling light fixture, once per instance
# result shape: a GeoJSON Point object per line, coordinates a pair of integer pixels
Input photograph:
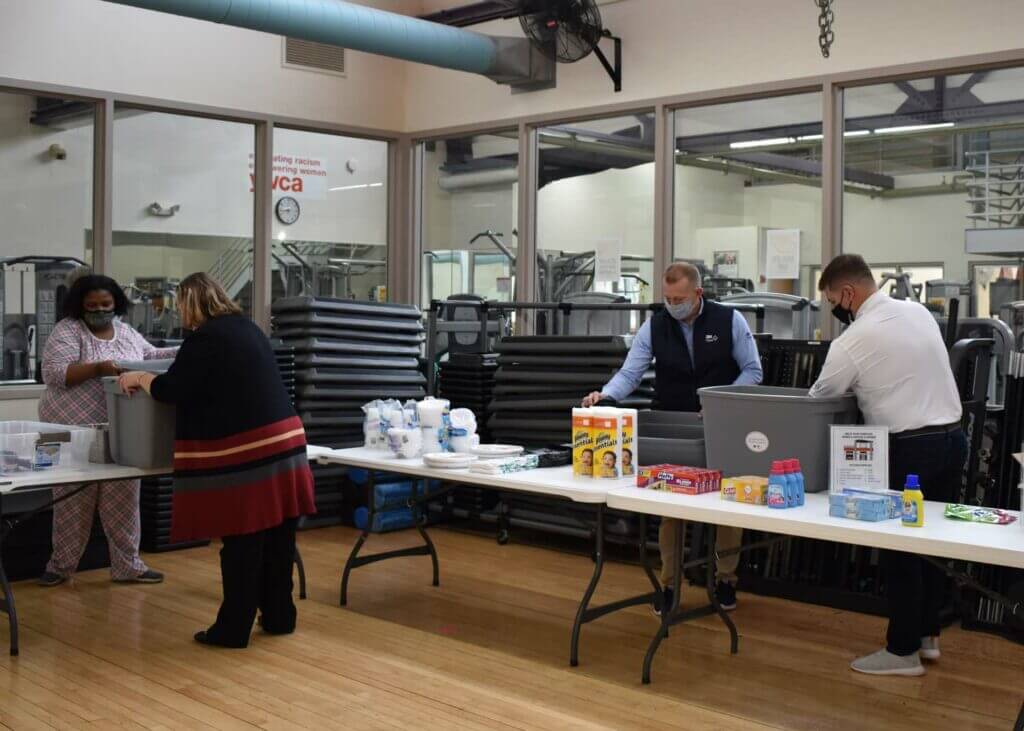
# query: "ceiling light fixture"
{"type": "Point", "coordinates": [360, 186]}
{"type": "Point", "coordinates": [913, 128]}
{"type": "Point", "coordinates": [762, 143]}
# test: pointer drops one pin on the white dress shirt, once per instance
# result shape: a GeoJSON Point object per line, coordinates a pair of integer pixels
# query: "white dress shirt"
{"type": "Point", "coordinates": [894, 360]}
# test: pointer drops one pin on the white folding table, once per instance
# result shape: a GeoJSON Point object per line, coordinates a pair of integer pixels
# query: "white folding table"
{"type": "Point", "coordinates": [84, 477]}
{"type": "Point", "coordinates": [555, 482]}
{"type": "Point", "coordinates": [939, 537]}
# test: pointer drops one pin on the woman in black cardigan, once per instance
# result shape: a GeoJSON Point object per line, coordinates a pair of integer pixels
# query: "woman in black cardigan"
{"type": "Point", "coordinates": [240, 466]}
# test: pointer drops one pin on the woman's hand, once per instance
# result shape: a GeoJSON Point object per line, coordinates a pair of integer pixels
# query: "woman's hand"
{"type": "Point", "coordinates": [108, 368]}
{"type": "Point", "coordinates": [133, 381]}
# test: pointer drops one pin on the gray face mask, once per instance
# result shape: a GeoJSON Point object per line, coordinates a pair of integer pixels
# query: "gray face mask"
{"type": "Point", "coordinates": [681, 311]}
{"type": "Point", "coordinates": [99, 319]}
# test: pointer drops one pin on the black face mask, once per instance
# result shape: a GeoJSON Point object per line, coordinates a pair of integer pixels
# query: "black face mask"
{"type": "Point", "coordinates": [843, 314]}
{"type": "Point", "coordinates": [98, 319]}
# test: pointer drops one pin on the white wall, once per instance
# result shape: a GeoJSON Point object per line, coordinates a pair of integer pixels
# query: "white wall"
{"type": "Point", "coordinates": [678, 46]}
{"type": "Point", "coordinates": [98, 45]}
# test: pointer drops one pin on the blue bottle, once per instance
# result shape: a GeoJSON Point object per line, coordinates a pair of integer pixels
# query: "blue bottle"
{"type": "Point", "coordinates": [777, 487]}
{"type": "Point", "coordinates": [799, 474]}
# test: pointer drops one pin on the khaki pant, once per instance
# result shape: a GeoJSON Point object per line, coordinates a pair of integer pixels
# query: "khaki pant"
{"type": "Point", "coordinates": [726, 538]}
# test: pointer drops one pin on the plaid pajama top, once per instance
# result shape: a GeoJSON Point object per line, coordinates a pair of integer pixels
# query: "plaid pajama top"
{"type": "Point", "coordinates": [72, 342]}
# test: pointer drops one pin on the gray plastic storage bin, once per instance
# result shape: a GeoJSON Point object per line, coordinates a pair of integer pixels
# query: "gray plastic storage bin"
{"type": "Point", "coordinates": [141, 429]}
{"type": "Point", "coordinates": [746, 427]}
{"type": "Point", "coordinates": [685, 452]}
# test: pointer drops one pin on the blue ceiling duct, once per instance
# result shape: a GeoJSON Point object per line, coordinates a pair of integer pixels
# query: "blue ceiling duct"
{"type": "Point", "coordinates": [357, 27]}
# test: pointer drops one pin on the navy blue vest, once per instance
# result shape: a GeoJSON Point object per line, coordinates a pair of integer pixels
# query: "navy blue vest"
{"type": "Point", "coordinates": [678, 372]}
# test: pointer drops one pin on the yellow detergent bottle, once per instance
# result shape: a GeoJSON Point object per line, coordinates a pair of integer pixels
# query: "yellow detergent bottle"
{"type": "Point", "coordinates": [913, 503]}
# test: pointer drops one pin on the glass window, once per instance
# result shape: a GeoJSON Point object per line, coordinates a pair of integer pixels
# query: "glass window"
{"type": "Point", "coordinates": [934, 178]}
{"type": "Point", "coordinates": [470, 205]}
{"type": "Point", "coordinates": [748, 194]}
{"type": "Point", "coordinates": [595, 210]}
{"type": "Point", "coordinates": [183, 202]}
{"type": "Point", "coordinates": [330, 216]}
{"type": "Point", "coordinates": [46, 155]}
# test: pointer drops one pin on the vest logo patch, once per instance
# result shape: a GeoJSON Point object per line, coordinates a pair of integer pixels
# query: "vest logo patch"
{"type": "Point", "coordinates": [710, 338]}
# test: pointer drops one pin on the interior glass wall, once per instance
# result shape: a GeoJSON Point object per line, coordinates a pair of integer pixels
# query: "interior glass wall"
{"type": "Point", "coordinates": [748, 194]}
{"type": "Point", "coordinates": [595, 210]}
{"type": "Point", "coordinates": [330, 216]}
{"type": "Point", "coordinates": [182, 203]}
{"type": "Point", "coordinates": [469, 209]}
{"type": "Point", "coordinates": [46, 155]}
{"type": "Point", "coordinates": [935, 187]}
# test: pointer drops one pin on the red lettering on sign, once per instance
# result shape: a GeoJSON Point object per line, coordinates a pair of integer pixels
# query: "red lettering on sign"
{"type": "Point", "coordinates": [280, 182]}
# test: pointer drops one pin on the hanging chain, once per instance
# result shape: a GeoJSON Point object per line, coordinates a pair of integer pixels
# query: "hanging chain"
{"type": "Point", "coordinates": [825, 18]}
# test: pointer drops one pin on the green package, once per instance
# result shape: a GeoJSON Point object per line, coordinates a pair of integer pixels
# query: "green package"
{"type": "Point", "coordinates": [976, 514]}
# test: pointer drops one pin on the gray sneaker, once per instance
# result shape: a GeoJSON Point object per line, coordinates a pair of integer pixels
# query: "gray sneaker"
{"type": "Point", "coordinates": [930, 648]}
{"type": "Point", "coordinates": [884, 662]}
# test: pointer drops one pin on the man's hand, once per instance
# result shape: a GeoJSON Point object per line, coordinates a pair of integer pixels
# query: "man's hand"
{"type": "Point", "coordinates": [592, 398]}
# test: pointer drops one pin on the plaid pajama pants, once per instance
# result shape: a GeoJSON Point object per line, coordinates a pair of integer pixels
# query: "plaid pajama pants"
{"type": "Point", "coordinates": [118, 503]}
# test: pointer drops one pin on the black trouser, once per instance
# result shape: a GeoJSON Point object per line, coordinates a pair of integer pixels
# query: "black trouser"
{"type": "Point", "coordinates": [256, 569]}
{"type": "Point", "coordinates": [916, 589]}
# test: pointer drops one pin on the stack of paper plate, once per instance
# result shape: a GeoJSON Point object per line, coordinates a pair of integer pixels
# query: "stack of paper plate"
{"type": "Point", "coordinates": [497, 451]}
{"type": "Point", "coordinates": [448, 460]}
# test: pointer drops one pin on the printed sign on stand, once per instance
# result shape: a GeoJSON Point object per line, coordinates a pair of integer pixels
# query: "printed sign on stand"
{"type": "Point", "coordinates": [782, 253]}
{"type": "Point", "coordinates": [608, 260]}
{"type": "Point", "coordinates": [860, 458]}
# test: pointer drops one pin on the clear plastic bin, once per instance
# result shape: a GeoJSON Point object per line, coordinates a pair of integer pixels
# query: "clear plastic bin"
{"type": "Point", "coordinates": [20, 442]}
{"type": "Point", "coordinates": [746, 428]}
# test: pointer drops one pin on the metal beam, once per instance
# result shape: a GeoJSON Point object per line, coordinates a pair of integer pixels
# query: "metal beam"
{"type": "Point", "coordinates": [831, 183]}
{"type": "Point", "coordinates": [103, 186]}
{"type": "Point", "coordinates": [262, 224]}
{"type": "Point", "coordinates": [803, 166]}
{"type": "Point", "coordinates": [526, 250]}
{"type": "Point", "coordinates": [664, 195]}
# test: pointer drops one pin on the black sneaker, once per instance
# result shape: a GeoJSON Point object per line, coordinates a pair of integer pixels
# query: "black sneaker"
{"type": "Point", "coordinates": [726, 594]}
{"type": "Point", "coordinates": [51, 579]}
{"type": "Point", "coordinates": [146, 577]}
{"type": "Point", "coordinates": [666, 602]}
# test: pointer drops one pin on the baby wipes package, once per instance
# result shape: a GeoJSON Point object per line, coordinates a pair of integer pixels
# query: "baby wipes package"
{"type": "Point", "coordinates": [607, 443]}
{"type": "Point", "coordinates": [630, 458]}
{"type": "Point", "coordinates": [582, 443]}
{"type": "Point", "coordinates": [753, 490]}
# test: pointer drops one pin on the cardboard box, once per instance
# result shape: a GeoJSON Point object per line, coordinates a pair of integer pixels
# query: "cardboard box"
{"type": "Point", "coordinates": [678, 478]}
{"type": "Point", "coordinates": [752, 490]}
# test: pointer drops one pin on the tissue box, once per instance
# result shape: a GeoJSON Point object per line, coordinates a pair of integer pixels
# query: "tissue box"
{"type": "Point", "coordinates": [872, 508]}
{"type": "Point", "coordinates": [895, 498]}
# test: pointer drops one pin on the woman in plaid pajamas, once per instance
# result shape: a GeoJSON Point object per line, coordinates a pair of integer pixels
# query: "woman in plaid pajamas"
{"type": "Point", "coordinates": [83, 348]}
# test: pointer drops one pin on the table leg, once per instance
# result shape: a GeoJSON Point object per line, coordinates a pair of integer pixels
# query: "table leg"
{"type": "Point", "coordinates": [7, 605]}
{"type": "Point", "coordinates": [712, 571]}
{"type": "Point", "coordinates": [354, 560]}
{"type": "Point", "coordinates": [1019, 726]}
{"type": "Point", "coordinates": [669, 613]}
{"type": "Point", "coordinates": [587, 613]}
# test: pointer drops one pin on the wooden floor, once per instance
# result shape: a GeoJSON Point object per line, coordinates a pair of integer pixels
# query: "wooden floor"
{"type": "Point", "coordinates": [488, 649]}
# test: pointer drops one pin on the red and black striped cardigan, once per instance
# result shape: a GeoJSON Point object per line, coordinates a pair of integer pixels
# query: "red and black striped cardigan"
{"type": "Point", "coordinates": [240, 450]}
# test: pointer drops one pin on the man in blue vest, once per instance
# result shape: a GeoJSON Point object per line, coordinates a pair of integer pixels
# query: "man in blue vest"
{"type": "Point", "coordinates": [693, 343]}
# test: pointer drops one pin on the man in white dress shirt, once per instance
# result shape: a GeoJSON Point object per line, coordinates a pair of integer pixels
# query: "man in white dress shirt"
{"type": "Point", "coordinates": [892, 356]}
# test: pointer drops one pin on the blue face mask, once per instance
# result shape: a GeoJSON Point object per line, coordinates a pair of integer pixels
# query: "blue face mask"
{"type": "Point", "coordinates": [681, 311]}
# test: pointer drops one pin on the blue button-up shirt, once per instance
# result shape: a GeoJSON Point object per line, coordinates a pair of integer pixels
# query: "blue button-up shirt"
{"type": "Point", "coordinates": [641, 354]}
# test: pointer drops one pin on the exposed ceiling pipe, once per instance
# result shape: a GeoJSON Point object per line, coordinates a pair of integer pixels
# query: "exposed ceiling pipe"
{"type": "Point", "coordinates": [478, 179]}
{"type": "Point", "coordinates": [360, 28]}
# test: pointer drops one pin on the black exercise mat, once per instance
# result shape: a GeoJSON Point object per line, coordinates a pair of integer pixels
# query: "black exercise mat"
{"type": "Point", "coordinates": [331, 405]}
{"type": "Point", "coordinates": [537, 389]}
{"type": "Point", "coordinates": [551, 403]}
{"type": "Point", "coordinates": [569, 345]}
{"type": "Point", "coordinates": [609, 361]}
{"type": "Point", "coordinates": [579, 375]}
{"type": "Point", "coordinates": [360, 322]}
{"type": "Point", "coordinates": [355, 361]}
{"type": "Point", "coordinates": [472, 360]}
{"type": "Point", "coordinates": [524, 422]}
{"type": "Point", "coordinates": [355, 376]}
{"type": "Point", "coordinates": [331, 418]}
{"type": "Point", "coordinates": [531, 438]}
{"type": "Point", "coordinates": [368, 392]}
{"type": "Point", "coordinates": [353, 347]}
{"type": "Point", "coordinates": [291, 334]}
{"type": "Point", "coordinates": [332, 304]}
